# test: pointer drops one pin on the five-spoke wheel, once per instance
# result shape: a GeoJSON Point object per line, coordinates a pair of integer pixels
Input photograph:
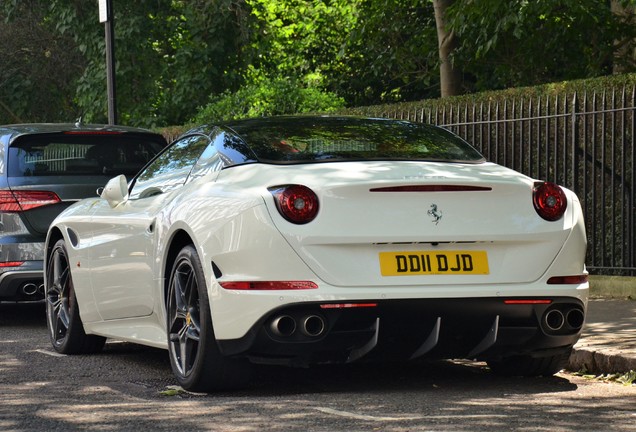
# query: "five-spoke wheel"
{"type": "Point", "coordinates": [194, 354]}
{"type": "Point", "coordinates": [62, 311]}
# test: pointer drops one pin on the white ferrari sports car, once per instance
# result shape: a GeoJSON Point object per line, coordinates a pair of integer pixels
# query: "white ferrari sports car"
{"type": "Point", "coordinates": [308, 239]}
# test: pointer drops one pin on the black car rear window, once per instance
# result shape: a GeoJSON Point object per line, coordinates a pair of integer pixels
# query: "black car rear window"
{"type": "Point", "coordinates": [68, 155]}
{"type": "Point", "coordinates": [317, 139]}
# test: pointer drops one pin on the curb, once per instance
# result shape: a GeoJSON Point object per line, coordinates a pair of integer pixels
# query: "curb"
{"type": "Point", "coordinates": [600, 363]}
{"type": "Point", "coordinates": [609, 357]}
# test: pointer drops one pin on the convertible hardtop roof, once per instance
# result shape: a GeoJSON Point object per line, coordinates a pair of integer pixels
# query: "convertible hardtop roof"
{"type": "Point", "coordinates": [303, 121]}
{"type": "Point", "coordinates": [310, 139]}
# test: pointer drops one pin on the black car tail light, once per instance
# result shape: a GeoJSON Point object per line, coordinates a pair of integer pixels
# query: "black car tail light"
{"type": "Point", "coordinates": [296, 203]}
{"type": "Point", "coordinates": [11, 263]}
{"type": "Point", "coordinates": [18, 201]}
{"type": "Point", "coordinates": [549, 200]}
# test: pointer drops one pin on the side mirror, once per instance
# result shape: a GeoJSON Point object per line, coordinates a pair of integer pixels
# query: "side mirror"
{"type": "Point", "coordinates": [116, 191]}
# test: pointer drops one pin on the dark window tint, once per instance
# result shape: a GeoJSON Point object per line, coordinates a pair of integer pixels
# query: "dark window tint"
{"type": "Point", "coordinates": [69, 155]}
{"type": "Point", "coordinates": [301, 140]}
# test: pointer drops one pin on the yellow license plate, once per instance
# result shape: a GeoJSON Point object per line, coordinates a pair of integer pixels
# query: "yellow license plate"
{"type": "Point", "coordinates": [419, 263]}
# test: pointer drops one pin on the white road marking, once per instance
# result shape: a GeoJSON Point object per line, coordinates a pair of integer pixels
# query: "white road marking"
{"type": "Point", "coordinates": [50, 353]}
{"type": "Point", "coordinates": [377, 418]}
{"type": "Point", "coordinates": [364, 417]}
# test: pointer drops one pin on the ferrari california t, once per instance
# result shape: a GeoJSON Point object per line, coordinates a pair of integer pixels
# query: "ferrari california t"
{"type": "Point", "coordinates": [308, 239]}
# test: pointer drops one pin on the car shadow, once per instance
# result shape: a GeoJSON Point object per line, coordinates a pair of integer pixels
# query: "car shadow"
{"type": "Point", "coordinates": [24, 314]}
{"type": "Point", "coordinates": [396, 377]}
{"type": "Point", "coordinates": [275, 381]}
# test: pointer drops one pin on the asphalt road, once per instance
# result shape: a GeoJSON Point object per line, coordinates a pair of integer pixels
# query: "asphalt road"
{"type": "Point", "coordinates": [128, 387]}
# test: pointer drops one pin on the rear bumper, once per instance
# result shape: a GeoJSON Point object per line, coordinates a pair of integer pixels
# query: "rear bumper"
{"type": "Point", "coordinates": [473, 328]}
{"type": "Point", "coordinates": [24, 283]}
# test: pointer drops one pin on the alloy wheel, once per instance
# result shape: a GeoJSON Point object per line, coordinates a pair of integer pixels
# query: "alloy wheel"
{"type": "Point", "coordinates": [184, 317]}
{"type": "Point", "coordinates": [58, 295]}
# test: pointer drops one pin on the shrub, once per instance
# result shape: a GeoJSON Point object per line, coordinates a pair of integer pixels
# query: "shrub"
{"type": "Point", "coordinates": [267, 97]}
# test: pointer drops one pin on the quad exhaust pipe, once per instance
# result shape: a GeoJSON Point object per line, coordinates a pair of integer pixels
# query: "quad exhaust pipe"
{"type": "Point", "coordinates": [566, 319]}
{"type": "Point", "coordinates": [311, 326]}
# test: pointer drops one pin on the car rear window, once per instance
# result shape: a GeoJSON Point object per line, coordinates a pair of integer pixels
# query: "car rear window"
{"type": "Point", "coordinates": [68, 155]}
{"type": "Point", "coordinates": [300, 140]}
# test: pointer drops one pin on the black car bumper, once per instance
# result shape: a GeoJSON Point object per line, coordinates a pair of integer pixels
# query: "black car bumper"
{"type": "Point", "coordinates": [24, 283]}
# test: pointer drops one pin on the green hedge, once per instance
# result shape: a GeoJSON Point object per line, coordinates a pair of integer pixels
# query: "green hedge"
{"type": "Point", "coordinates": [553, 89]}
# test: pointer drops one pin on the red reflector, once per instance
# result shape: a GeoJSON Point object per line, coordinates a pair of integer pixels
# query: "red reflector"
{"type": "Point", "coordinates": [22, 200]}
{"type": "Point", "coordinates": [431, 188]}
{"type": "Point", "coordinates": [347, 305]}
{"type": "Point", "coordinates": [93, 133]}
{"type": "Point", "coordinates": [11, 263]}
{"type": "Point", "coordinates": [527, 301]}
{"type": "Point", "coordinates": [274, 285]}
{"type": "Point", "coordinates": [568, 280]}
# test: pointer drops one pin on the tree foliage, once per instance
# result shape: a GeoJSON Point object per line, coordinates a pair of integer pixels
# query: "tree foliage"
{"type": "Point", "coordinates": [40, 67]}
{"type": "Point", "coordinates": [266, 97]}
{"type": "Point", "coordinates": [535, 42]}
{"type": "Point", "coordinates": [177, 57]}
{"type": "Point", "coordinates": [390, 54]}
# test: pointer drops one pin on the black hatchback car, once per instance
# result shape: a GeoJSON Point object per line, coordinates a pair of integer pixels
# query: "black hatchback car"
{"type": "Point", "coordinates": [44, 168]}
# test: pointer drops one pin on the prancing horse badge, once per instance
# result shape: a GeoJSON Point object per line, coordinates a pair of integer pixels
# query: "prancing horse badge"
{"type": "Point", "coordinates": [435, 214]}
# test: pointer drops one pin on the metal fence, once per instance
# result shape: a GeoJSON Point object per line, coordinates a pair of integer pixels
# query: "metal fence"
{"type": "Point", "coordinates": [583, 141]}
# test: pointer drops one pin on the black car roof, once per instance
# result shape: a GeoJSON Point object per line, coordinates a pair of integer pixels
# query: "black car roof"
{"type": "Point", "coordinates": [238, 125]}
{"type": "Point", "coordinates": [16, 130]}
{"type": "Point", "coordinates": [325, 138]}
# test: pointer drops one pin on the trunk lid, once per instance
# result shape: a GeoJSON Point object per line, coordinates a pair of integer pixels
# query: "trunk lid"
{"type": "Point", "coordinates": [444, 224]}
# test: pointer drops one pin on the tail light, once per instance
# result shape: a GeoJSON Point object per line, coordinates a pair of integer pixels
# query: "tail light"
{"type": "Point", "coordinates": [549, 200]}
{"type": "Point", "coordinates": [23, 200]}
{"type": "Point", "coordinates": [11, 263]}
{"type": "Point", "coordinates": [296, 203]}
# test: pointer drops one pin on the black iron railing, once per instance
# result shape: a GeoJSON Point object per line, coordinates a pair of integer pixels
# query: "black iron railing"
{"type": "Point", "coordinates": [583, 141]}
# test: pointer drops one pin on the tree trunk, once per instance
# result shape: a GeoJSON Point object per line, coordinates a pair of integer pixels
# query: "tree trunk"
{"type": "Point", "coordinates": [450, 76]}
{"type": "Point", "coordinates": [625, 54]}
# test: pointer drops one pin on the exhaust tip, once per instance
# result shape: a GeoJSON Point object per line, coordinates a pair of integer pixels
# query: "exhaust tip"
{"type": "Point", "coordinates": [554, 320]}
{"type": "Point", "coordinates": [29, 289]}
{"type": "Point", "coordinates": [313, 326]}
{"type": "Point", "coordinates": [575, 318]}
{"type": "Point", "coordinates": [283, 326]}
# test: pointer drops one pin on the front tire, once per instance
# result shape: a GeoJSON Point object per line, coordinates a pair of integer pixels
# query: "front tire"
{"type": "Point", "coordinates": [66, 330]}
{"type": "Point", "coordinates": [195, 357]}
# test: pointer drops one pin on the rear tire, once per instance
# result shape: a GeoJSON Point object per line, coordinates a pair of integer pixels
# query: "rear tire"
{"type": "Point", "coordinates": [195, 357]}
{"type": "Point", "coordinates": [66, 330]}
{"type": "Point", "coordinates": [530, 366]}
